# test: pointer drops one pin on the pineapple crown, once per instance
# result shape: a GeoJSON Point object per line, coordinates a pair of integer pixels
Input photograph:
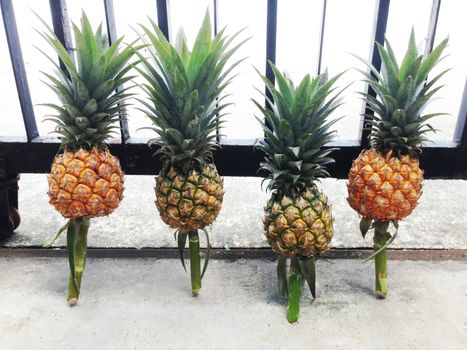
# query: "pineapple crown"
{"type": "Point", "coordinates": [183, 89]}
{"type": "Point", "coordinates": [90, 91]}
{"type": "Point", "coordinates": [295, 130]}
{"type": "Point", "coordinates": [402, 93]}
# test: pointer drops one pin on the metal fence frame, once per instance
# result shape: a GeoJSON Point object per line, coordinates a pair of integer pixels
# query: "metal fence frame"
{"type": "Point", "coordinates": [234, 159]}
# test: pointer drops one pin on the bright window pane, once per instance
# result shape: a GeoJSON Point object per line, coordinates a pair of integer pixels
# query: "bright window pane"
{"type": "Point", "coordinates": [11, 121]}
{"type": "Point", "coordinates": [127, 20]}
{"type": "Point", "coordinates": [129, 14]}
{"type": "Point", "coordinates": [346, 35]}
{"type": "Point", "coordinates": [94, 10]}
{"type": "Point", "coordinates": [34, 60]}
{"type": "Point", "coordinates": [298, 39]}
{"type": "Point", "coordinates": [189, 15]}
{"type": "Point", "coordinates": [236, 15]}
{"type": "Point", "coordinates": [403, 15]}
{"type": "Point", "coordinates": [451, 23]}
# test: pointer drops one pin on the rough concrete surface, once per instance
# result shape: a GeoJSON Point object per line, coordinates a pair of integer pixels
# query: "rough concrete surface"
{"type": "Point", "coordinates": [147, 304]}
{"type": "Point", "coordinates": [440, 220]}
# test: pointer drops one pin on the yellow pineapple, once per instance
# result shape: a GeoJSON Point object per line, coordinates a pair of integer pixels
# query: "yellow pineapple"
{"type": "Point", "coordinates": [189, 202]}
{"type": "Point", "coordinates": [300, 225]}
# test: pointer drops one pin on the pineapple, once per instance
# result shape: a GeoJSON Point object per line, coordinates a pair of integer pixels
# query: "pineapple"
{"type": "Point", "coordinates": [85, 180]}
{"type": "Point", "coordinates": [85, 183]}
{"type": "Point", "coordinates": [385, 181]}
{"type": "Point", "coordinates": [183, 89]}
{"type": "Point", "coordinates": [298, 221]}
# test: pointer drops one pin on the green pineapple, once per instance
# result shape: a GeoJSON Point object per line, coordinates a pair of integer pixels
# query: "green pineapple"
{"type": "Point", "coordinates": [183, 91]}
{"type": "Point", "coordinates": [298, 221]}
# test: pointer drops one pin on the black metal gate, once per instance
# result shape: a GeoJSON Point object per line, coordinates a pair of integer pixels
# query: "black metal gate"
{"type": "Point", "coordinates": [34, 155]}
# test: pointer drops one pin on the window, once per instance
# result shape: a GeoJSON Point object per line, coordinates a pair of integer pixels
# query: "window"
{"type": "Point", "coordinates": [307, 37]}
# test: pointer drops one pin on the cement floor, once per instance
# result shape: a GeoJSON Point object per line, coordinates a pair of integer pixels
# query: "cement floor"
{"type": "Point", "coordinates": [147, 304]}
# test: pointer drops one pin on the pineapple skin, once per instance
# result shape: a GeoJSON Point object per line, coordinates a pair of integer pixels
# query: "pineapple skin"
{"type": "Point", "coordinates": [300, 226]}
{"type": "Point", "coordinates": [384, 187]}
{"type": "Point", "coordinates": [189, 202]}
{"type": "Point", "coordinates": [85, 183]}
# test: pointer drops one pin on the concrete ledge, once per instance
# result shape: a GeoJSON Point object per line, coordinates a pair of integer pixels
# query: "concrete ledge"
{"type": "Point", "coordinates": [236, 253]}
{"type": "Point", "coordinates": [439, 222]}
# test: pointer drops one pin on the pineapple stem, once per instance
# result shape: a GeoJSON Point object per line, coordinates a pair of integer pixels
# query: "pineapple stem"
{"type": "Point", "coordinates": [295, 288]}
{"type": "Point", "coordinates": [77, 248]}
{"type": "Point", "coordinates": [381, 273]}
{"type": "Point", "coordinates": [195, 262]}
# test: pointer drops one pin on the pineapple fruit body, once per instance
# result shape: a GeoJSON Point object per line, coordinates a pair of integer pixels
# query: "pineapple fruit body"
{"type": "Point", "coordinates": [300, 226]}
{"type": "Point", "coordinates": [189, 202]}
{"type": "Point", "coordinates": [85, 183]}
{"type": "Point", "coordinates": [384, 187]}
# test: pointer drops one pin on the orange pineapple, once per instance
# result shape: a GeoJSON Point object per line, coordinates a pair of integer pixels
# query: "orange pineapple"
{"type": "Point", "coordinates": [384, 187]}
{"type": "Point", "coordinates": [85, 183]}
{"type": "Point", "coordinates": [85, 180]}
{"type": "Point", "coordinates": [385, 182]}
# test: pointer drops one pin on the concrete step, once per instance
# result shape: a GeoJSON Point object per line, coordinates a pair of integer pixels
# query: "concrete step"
{"type": "Point", "coordinates": [439, 222]}
{"type": "Point", "coordinates": [147, 304]}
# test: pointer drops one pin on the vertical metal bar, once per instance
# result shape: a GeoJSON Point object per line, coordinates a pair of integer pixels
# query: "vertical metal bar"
{"type": "Point", "coordinates": [271, 32]}
{"type": "Point", "coordinates": [61, 26]}
{"type": "Point", "coordinates": [321, 36]}
{"type": "Point", "coordinates": [110, 21]}
{"type": "Point", "coordinates": [430, 37]}
{"type": "Point", "coordinates": [163, 17]}
{"type": "Point", "coordinates": [216, 16]}
{"type": "Point", "coordinates": [22, 86]}
{"type": "Point", "coordinates": [379, 33]}
{"type": "Point", "coordinates": [112, 34]}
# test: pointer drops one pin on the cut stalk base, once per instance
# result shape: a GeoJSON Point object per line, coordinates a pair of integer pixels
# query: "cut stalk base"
{"type": "Point", "coordinates": [381, 273]}
{"type": "Point", "coordinates": [76, 249]}
{"type": "Point", "coordinates": [195, 262]}
{"type": "Point", "coordinates": [295, 289]}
